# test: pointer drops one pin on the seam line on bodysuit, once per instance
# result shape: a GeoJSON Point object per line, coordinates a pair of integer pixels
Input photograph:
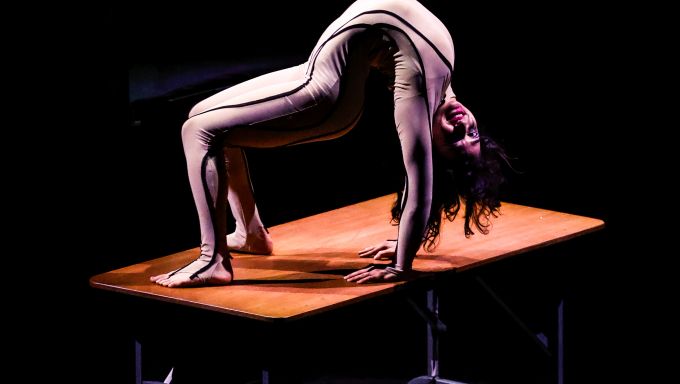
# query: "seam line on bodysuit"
{"type": "Point", "coordinates": [430, 43]}
{"type": "Point", "coordinates": [420, 61]}
{"type": "Point", "coordinates": [335, 34]}
{"type": "Point", "coordinates": [352, 123]}
{"type": "Point", "coordinates": [211, 209]}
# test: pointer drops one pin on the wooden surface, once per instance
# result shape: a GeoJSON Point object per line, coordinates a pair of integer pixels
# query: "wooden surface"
{"type": "Point", "coordinates": [311, 255]}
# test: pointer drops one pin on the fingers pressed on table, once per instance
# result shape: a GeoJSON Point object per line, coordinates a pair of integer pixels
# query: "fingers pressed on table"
{"type": "Point", "coordinates": [366, 253]}
{"type": "Point", "coordinates": [355, 273]}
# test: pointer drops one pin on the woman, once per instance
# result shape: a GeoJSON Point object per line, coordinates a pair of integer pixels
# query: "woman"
{"type": "Point", "coordinates": [322, 99]}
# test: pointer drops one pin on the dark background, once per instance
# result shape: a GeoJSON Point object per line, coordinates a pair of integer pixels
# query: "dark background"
{"type": "Point", "coordinates": [550, 83]}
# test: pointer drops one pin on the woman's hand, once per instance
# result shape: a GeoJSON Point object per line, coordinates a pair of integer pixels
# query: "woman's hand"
{"type": "Point", "coordinates": [383, 251]}
{"type": "Point", "coordinates": [371, 275]}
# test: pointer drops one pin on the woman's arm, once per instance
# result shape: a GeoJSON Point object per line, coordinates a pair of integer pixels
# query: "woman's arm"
{"type": "Point", "coordinates": [416, 146]}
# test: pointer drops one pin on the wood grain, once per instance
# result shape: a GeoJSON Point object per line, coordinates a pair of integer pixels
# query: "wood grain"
{"type": "Point", "coordinates": [311, 255]}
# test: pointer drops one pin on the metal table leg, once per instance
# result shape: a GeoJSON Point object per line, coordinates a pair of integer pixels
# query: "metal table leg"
{"type": "Point", "coordinates": [435, 327]}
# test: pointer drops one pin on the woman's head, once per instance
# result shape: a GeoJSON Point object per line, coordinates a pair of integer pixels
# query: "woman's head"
{"type": "Point", "coordinates": [455, 132]}
{"type": "Point", "coordinates": [467, 169]}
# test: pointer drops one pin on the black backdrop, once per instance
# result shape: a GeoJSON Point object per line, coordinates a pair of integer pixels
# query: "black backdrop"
{"type": "Point", "coordinates": [544, 81]}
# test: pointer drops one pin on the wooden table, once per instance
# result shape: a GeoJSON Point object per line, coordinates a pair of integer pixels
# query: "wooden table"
{"type": "Point", "coordinates": [304, 276]}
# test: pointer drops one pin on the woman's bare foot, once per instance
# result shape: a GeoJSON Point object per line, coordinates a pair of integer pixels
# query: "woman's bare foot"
{"type": "Point", "coordinates": [259, 242]}
{"type": "Point", "coordinates": [219, 273]}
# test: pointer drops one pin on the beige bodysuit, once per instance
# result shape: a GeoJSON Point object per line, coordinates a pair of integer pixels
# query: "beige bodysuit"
{"type": "Point", "coordinates": [323, 99]}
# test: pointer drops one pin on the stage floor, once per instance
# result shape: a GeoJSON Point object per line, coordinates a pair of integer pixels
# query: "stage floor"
{"type": "Point", "coordinates": [311, 255]}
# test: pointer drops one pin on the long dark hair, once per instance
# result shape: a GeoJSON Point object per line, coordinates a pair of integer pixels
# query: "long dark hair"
{"type": "Point", "coordinates": [474, 182]}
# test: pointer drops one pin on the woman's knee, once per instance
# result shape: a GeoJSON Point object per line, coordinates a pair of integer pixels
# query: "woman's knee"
{"type": "Point", "coordinates": [193, 132]}
{"type": "Point", "coordinates": [201, 132]}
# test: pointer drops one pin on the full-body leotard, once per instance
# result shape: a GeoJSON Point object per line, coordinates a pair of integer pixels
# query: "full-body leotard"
{"type": "Point", "coordinates": [323, 99]}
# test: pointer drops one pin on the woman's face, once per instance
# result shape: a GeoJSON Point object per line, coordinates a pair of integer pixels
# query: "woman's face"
{"type": "Point", "coordinates": [454, 131]}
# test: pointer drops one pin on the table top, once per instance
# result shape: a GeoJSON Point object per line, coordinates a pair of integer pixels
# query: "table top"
{"type": "Point", "coordinates": [305, 273]}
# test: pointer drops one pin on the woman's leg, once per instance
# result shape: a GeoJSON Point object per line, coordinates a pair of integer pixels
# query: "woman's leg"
{"type": "Point", "coordinates": [233, 93]}
{"type": "Point", "coordinates": [256, 114]}
{"type": "Point", "coordinates": [250, 235]}
{"type": "Point", "coordinates": [204, 136]}
{"type": "Point", "coordinates": [207, 177]}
